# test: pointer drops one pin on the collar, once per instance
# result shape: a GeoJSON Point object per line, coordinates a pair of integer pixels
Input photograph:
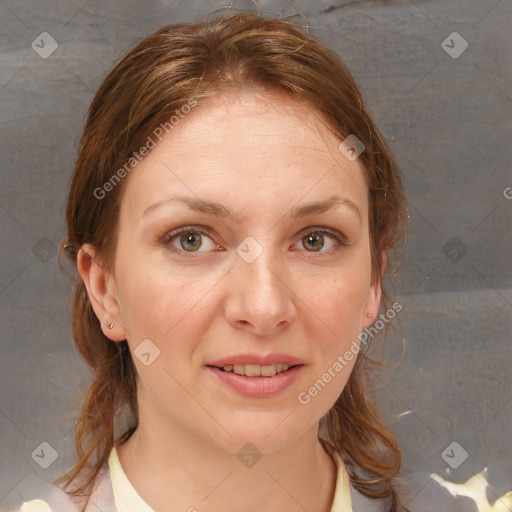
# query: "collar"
{"type": "Point", "coordinates": [127, 499]}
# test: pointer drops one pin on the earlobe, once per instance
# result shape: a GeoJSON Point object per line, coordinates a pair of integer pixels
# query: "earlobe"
{"type": "Point", "coordinates": [372, 305]}
{"type": "Point", "coordinates": [100, 287]}
{"type": "Point", "coordinates": [374, 295]}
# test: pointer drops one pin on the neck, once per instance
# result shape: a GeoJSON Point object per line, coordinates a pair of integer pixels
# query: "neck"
{"type": "Point", "coordinates": [175, 465]}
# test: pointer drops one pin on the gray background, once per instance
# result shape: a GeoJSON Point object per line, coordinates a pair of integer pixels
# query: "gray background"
{"type": "Point", "coordinates": [448, 122]}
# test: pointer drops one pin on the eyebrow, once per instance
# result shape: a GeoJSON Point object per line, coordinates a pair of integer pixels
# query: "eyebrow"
{"type": "Point", "coordinates": [219, 210]}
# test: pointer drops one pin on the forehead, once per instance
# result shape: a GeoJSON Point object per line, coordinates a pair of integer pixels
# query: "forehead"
{"type": "Point", "coordinates": [266, 123]}
{"type": "Point", "coordinates": [247, 145]}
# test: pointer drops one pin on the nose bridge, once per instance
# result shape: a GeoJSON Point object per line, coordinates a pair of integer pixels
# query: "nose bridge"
{"type": "Point", "coordinates": [259, 261]}
{"type": "Point", "coordinates": [258, 295]}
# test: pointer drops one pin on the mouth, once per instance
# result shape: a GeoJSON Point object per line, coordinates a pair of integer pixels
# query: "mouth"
{"type": "Point", "coordinates": [256, 370]}
{"type": "Point", "coordinates": [258, 378]}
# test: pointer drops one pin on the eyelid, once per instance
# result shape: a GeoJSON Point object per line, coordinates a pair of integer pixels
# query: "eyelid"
{"type": "Point", "coordinates": [169, 235]}
{"type": "Point", "coordinates": [339, 238]}
{"type": "Point", "coordinates": [335, 233]}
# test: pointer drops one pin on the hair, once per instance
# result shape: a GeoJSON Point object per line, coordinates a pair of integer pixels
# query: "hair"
{"type": "Point", "coordinates": [155, 79]}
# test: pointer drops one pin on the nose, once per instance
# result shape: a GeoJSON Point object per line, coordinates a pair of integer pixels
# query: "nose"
{"type": "Point", "coordinates": [260, 297]}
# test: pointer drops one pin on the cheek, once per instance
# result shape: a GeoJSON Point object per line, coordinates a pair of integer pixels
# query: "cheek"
{"type": "Point", "coordinates": [160, 302]}
{"type": "Point", "coordinates": [338, 301]}
{"type": "Point", "coordinates": [143, 292]}
{"type": "Point", "coordinates": [336, 314]}
{"type": "Point", "coordinates": [335, 323]}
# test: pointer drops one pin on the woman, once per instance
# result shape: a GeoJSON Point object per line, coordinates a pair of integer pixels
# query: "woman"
{"type": "Point", "coordinates": [233, 214]}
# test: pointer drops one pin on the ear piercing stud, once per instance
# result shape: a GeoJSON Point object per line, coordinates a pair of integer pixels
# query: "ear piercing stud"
{"type": "Point", "coordinates": [110, 325]}
{"type": "Point", "coordinates": [368, 315]}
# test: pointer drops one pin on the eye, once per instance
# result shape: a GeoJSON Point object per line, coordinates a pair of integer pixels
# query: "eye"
{"type": "Point", "coordinates": [189, 239]}
{"type": "Point", "coordinates": [316, 239]}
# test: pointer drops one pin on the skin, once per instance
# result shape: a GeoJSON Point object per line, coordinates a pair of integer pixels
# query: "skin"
{"type": "Point", "coordinates": [260, 155]}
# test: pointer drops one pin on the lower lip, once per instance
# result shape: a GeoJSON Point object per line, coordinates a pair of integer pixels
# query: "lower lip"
{"type": "Point", "coordinates": [259, 387]}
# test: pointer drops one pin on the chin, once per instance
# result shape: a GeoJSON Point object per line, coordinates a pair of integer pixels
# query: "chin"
{"type": "Point", "coordinates": [266, 432]}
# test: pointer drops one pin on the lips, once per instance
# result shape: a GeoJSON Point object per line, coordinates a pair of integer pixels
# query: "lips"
{"type": "Point", "coordinates": [259, 360]}
{"type": "Point", "coordinates": [257, 386]}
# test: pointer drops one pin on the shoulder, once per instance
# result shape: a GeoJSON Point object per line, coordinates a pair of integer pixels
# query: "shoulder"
{"type": "Point", "coordinates": [422, 492]}
{"type": "Point", "coordinates": [46, 497]}
{"type": "Point", "coordinates": [42, 496]}
{"type": "Point", "coordinates": [55, 500]}
{"type": "Point", "coordinates": [361, 503]}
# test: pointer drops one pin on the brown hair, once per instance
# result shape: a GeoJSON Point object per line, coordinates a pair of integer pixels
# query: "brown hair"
{"type": "Point", "coordinates": [155, 79]}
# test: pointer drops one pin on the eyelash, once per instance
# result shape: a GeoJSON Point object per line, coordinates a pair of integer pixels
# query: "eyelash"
{"type": "Point", "coordinates": [339, 238]}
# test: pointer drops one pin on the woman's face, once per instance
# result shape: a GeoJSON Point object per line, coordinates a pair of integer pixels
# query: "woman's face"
{"type": "Point", "coordinates": [272, 267]}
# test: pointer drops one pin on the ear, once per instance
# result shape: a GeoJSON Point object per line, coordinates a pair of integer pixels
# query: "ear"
{"type": "Point", "coordinates": [374, 295]}
{"type": "Point", "coordinates": [101, 289]}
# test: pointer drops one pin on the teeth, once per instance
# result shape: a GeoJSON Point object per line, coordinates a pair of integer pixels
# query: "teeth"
{"type": "Point", "coordinates": [255, 370]}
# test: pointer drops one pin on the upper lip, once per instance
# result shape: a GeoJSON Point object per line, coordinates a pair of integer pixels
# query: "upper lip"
{"type": "Point", "coordinates": [269, 359]}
